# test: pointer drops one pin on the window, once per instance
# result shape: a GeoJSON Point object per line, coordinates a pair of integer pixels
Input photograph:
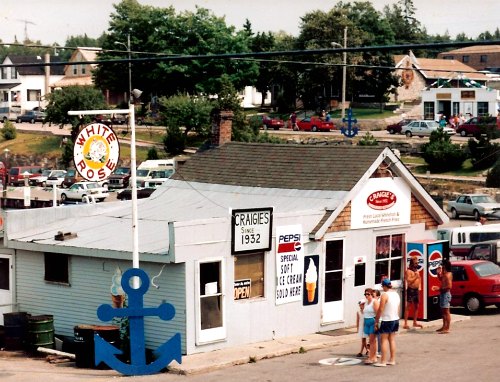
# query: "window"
{"type": "Point", "coordinates": [359, 274]}
{"type": "Point", "coordinates": [75, 70]}
{"type": "Point", "coordinates": [84, 69]}
{"type": "Point", "coordinates": [456, 108]}
{"type": "Point", "coordinates": [483, 58]}
{"type": "Point", "coordinates": [482, 108]}
{"type": "Point", "coordinates": [459, 273]}
{"type": "Point", "coordinates": [210, 295]}
{"type": "Point", "coordinates": [388, 260]}
{"type": "Point", "coordinates": [448, 57]}
{"type": "Point", "coordinates": [429, 110]}
{"type": "Point", "coordinates": [4, 273]}
{"type": "Point", "coordinates": [465, 59]}
{"type": "Point", "coordinates": [13, 73]}
{"type": "Point", "coordinates": [251, 267]}
{"type": "Point", "coordinates": [4, 73]}
{"type": "Point", "coordinates": [34, 94]}
{"type": "Point", "coordinates": [56, 267]}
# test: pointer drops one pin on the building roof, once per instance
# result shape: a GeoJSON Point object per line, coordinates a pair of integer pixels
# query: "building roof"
{"type": "Point", "coordinates": [35, 70]}
{"type": "Point", "coordinates": [479, 49]}
{"type": "Point", "coordinates": [288, 166]}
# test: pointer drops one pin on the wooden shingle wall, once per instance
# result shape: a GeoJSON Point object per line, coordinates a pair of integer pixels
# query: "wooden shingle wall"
{"type": "Point", "coordinates": [420, 215]}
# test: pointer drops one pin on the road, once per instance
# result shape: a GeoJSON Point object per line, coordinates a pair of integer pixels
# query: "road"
{"type": "Point", "coordinates": [468, 353]}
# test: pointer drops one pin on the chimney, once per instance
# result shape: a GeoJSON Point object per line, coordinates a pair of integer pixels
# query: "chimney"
{"type": "Point", "coordinates": [222, 126]}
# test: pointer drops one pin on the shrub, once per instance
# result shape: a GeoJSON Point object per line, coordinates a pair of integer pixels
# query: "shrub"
{"type": "Point", "coordinates": [441, 155]}
{"type": "Point", "coordinates": [493, 176]}
{"type": "Point", "coordinates": [368, 140]}
{"type": "Point", "coordinates": [152, 153]}
{"type": "Point", "coordinates": [483, 153]}
{"type": "Point", "coordinates": [174, 141]}
{"type": "Point", "coordinates": [9, 131]}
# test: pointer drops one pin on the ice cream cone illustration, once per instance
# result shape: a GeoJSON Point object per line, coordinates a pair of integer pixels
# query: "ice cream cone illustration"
{"type": "Point", "coordinates": [117, 293]}
{"type": "Point", "coordinates": [311, 280]}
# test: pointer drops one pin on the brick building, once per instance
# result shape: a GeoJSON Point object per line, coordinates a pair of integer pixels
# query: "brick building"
{"type": "Point", "coordinates": [481, 57]}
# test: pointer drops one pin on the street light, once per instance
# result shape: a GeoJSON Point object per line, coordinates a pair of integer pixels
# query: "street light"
{"type": "Point", "coordinates": [127, 46]}
{"type": "Point", "coordinates": [344, 70]}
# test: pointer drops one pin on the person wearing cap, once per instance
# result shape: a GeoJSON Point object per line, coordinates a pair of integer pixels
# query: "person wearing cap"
{"type": "Point", "coordinates": [360, 318]}
{"type": "Point", "coordinates": [413, 286]}
{"type": "Point", "coordinates": [387, 323]}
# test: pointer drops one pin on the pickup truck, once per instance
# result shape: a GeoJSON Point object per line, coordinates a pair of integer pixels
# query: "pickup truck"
{"type": "Point", "coordinates": [486, 250]}
{"type": "Point", "coordinates": [120, 178]}
{"type": "Point", "coordinates": [476, 205]}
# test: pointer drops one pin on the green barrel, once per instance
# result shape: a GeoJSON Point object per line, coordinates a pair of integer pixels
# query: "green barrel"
{"type": "Point", "coordinates": [40, 332]}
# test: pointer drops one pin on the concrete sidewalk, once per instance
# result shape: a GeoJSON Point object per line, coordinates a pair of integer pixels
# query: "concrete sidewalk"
{"type": "Point", "coordinates": [20, 367]}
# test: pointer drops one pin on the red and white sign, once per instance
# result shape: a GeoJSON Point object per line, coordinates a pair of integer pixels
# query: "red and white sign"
{"type": "Point", "coordinates": [382, 202]}
{"type": "Point", "coordinates": [96, 152]}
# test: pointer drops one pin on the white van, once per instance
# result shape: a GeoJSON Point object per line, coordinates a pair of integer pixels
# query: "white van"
{"type": "Point", "coordinates": [463, 238]}
{"type": "Point", "coordinates": [146, 169]}
{"type": "Point", "coordinates": [9, 113]}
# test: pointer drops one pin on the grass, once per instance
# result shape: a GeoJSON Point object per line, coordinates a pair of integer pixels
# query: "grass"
{"type": "Point", "coordinates": [419, 166]}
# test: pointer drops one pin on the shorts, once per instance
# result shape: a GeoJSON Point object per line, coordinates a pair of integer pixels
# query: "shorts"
{"type": "Point", "coordinates": [369, 326]}
{"type": "Point", "coordinates": [445, 300]}
{"type": "Point", "coordinates": [412, 295]}
{"type": "Point", "coordinates": [388, 327]}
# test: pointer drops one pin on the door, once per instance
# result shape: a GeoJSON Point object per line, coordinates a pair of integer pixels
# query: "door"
{"type": "Point", "coordinates": [6, 285]}
{"type": "Point", "coordinates": [333, 295]}
{"type": "Point", "coordinates": [210, 315]}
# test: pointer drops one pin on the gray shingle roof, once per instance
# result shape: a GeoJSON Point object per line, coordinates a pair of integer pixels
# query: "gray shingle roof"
{"type": "Point", "coordinates": [36, 70]}
{"type": "Point", "coordinates": [306, 167]}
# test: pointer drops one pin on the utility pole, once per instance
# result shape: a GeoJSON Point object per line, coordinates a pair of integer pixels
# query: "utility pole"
{"type": "Point", "coordinates": [344, 73]}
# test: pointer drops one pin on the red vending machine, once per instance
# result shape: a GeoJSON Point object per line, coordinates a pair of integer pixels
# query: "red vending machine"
{"type": "Point", "coordinates": [430, 254]}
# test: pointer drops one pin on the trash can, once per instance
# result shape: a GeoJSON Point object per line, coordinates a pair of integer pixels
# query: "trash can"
{"type": "Point", "coordinates": [84, 343]}
{"type": "Point", "coordinates": [40, 332]}
{"type": "Point", "coordinates": [15, 329]}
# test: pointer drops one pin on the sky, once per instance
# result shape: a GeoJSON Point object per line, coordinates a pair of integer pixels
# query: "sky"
{"type": "Point", "coordinates": [51, 21]}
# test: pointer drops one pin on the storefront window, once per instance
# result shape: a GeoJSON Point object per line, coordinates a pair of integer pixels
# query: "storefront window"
{"type": "Point", "coordinates": [251, 267]}
{"type": "Point", "coordinates": [482, 109]}
{"type": "Point", "coordinates": [210, 295]}
{"type": "Point", "coordinates": [388, 259]}
{"type": "Point", "coordinates": [429, 110]}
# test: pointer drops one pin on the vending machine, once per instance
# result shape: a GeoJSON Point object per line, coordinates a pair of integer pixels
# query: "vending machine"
{"type": "Point", "coordinates": [430, 254]}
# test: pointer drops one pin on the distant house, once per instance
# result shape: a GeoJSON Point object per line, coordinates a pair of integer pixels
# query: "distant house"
{"type": "Point", "coordinates": [77, 72]}
{"type": "Point", "coordinates": [250, 242]}
{"type": "Point", "coordinates": [25, 87]}
{"type": "Point", "coordinates": [479, 57]}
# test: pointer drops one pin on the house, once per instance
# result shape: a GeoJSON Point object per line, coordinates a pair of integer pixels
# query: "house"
{"type": "Point", "coordinates": [77, 72]}
{"type": "Point", "coordinates": [479, 57]}
{"type": "Point", "coordinates": [443, 86]}
{"type": "Point", "coordinates": [24, 87]}
{"type": "Point", "coordinates": [249, 242]}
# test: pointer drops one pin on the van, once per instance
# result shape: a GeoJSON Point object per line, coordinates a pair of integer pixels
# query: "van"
{"type": "Point", "coordinates": [16, 177]}
{"type": "Point", "coordinates": [147, 168]}
{"type": "Point", "coordinates": [10, 113]}
{"type": "Point", "coordinates": [463, 238]}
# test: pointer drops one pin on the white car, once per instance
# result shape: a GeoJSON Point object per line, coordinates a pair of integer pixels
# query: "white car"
{"type": "Point", "coordinates": [82, 190]}
{"type": "Point", "coordinates": [423, 128]}
{"type": "Point", "coordinates": [56, 177]}
{"type": "Point", "coordinates": [40, 179]}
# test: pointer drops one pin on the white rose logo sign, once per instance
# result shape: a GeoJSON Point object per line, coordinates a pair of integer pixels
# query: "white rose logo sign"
{"type": "Point", "coordinates": [96, 152]}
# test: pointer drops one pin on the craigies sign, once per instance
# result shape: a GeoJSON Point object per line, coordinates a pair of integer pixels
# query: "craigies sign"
{"type": "Point", "coordinates": [96, 152]}
{"type": "Point", "coordinates": [382, 202]}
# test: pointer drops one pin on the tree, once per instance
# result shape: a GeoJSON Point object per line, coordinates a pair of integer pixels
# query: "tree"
{"type": "Point", "coordinates": [493, 176]}
{"type": "Point", "coordinates": [163, 31]}
{"type": "Point", "coordinates": [73, 98]}
{"type": "Point", "coordinates": [441, 154]}
{"type": "Point", "coordinates": [483, 153]}
{"type": "Point", "coordinates": [8, 131]}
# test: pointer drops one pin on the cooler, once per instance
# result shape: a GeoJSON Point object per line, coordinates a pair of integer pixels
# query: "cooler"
{"type": "Point", "coordinates": [430, 254]}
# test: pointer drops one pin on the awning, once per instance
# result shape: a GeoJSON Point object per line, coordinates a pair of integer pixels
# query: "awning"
{"type": "Point", "coordinates": [9, 85]}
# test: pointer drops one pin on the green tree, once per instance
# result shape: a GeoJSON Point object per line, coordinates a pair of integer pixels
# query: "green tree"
{"type": "Point", "coordinates": [493, 176]}
{"type": "Point", "coordinates": [401, 19]}
{"type": "Point", "coordinates": [163, 31]}
{"type": "Point", "coordinates": [483, 153]}
{"type": "Point", "coordinates": [152, 153]}
{"type": "Point", "coordinates": [441, 154]}
{"type": "Point", "coordinates": [174, 141]}
{"type": "Point", "coordinates": [8, 131]}
{"type": "Point", "coordinates": [73, 98]}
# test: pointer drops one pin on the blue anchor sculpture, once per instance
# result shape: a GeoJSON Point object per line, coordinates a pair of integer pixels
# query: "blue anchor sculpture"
{"type": "Point", "coordinates": [166, 353]}
{"type": "Point", "coordinates": [350, 132]}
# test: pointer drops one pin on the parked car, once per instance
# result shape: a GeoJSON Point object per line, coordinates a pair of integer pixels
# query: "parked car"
{"type": "Point", "coordinates": [424, 128]}
{"type": "Point", "coordinates": [158, 177]}
{"type": "Point", "coordinates": [476, 284]}
{"type": "Point", "coordinates": [314, 124]}
{"type": "Point", "coordinates": [31, 116]}
{"type": "Point", "coordinates": [395, 128]}
{"type": "Point", "coordinates": [56, 178]}
{"type": "Point", "coordinates": [72, 176]}
{"type": "Point", "coordinates": [266, 122]}
{"type": "Point", "coordinates": [42, 179]}
{"type": "Point", "coordinates": [119, 178]}
{"type": "Point", "coordinates": [475, 126]}
{"type": "Point", "coordinates": [16, 174]}
{"type": "Point", "coordinates": [142, 193]}
{"type": "Point", "coordinates": [475, 205]}
{"type": "Point", "coordinates": [80, 190]}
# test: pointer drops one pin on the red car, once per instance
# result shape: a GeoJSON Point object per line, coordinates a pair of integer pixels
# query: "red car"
{"type": "Point", "coordinates": [476, 284]}
{"type": "Point", "coordinates": [314, 124]}
{"type": "Point", "coordinates": [476, 126]}
{"type": "Point", "coordinates": [272, 123]}
{"type": "Point", "coordinates": [396, 128]}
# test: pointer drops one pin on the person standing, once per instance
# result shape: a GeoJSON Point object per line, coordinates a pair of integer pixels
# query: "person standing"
{"type": "Point", "coordinates": [387, 323]}
{"type": "Point", "coordinates": [446, 279]}
{"type": "Point", "coordinates": [360, 318]}
{"type": "Point", "coordinates": [293, 120]}
{"type": "Point", "coordinates": [413, 285]}
{"type": "Point", "coordinates": [370, 311]}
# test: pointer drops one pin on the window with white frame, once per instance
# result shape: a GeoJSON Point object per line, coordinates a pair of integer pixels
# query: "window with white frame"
{"type": "Point", "coordinates": [13, 73]}
{"type": "Point", "coordinates": [34, 94]}
{"type": "Point", "coordinates": [389, 257]}
{"type": "Point", "coordinates": [75, 70]}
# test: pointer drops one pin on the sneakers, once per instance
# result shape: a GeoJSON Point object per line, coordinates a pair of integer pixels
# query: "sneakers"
{"type": "Point", "coordinates": [379, 364]}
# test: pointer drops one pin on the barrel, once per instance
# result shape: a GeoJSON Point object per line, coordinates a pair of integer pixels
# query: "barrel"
{"type": "Point", "coordinates": [15, 329]}
{"type": "Point", "coordinates": [84, 343]}
{"type": "Point", "coordinates": [40, 332]}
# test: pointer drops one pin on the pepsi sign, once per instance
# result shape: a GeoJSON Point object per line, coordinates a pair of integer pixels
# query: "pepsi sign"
{"type": "Point", "coordinates": [435, 261]}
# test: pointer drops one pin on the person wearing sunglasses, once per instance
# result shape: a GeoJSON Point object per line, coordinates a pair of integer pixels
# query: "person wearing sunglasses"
{"type": "Point", "coordinates": [370, 311]}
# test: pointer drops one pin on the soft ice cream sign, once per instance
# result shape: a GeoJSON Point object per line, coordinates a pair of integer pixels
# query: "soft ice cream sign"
{"type": "Point", "coordinates": [289, 264]}
{"type": "Point", "coordinates": [382, 202]}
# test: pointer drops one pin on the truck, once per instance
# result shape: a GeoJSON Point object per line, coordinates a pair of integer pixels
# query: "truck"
{"type": "Point", "coordinates": [462, 239]}
{"type": "Point", "coordinates": [487, 250]}
{"type": "Point", "coordinates": [146, 169]}
{"type": "Point", "coordinates": [120, 178]}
